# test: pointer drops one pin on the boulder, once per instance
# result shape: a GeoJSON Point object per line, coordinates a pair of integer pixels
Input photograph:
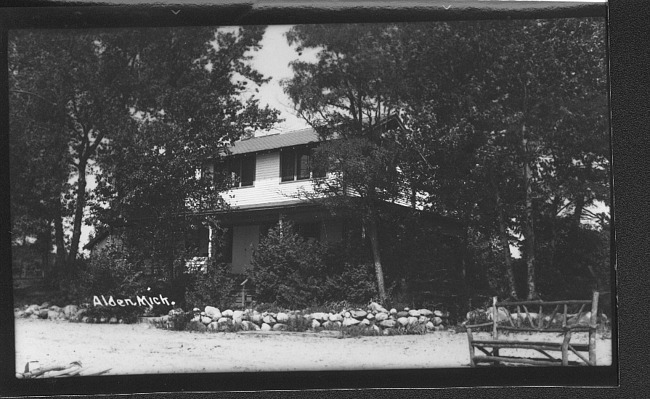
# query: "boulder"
{"type": "Point", "coordinates": [45, 305]}
{"type": "Point", "coordinates": [365, 322]}
{"type": "Point", "coordinates": [402, 313]}
{"type": "Point", "coordinates": [80, 314]}
{"type": "Point", "coordinates": [213, 312]}
{"type": "Point", "coordinates": [197, 326]}
{"type": "Point", "coordinates": [268, 319]}
{"type": "Point", "coordinates": [502, 314]}
{"type": "Point", "coordinates": [206, 320]}
{"type": "Point", "coordinates": [403, 321]}
{"type": "Point", "coordinates": [112, 320]}
{"type": "Point", "coordinates": [437, 313]}
{"type": "Point", "coordinates": [437, 321]}
{"type": "Point", "coordinates": [52, 314]}
{"type": "Point", "coordinates": [86, 319]}
{"type": "Point", "coordinates": [279, 327]}
{"type": "Point", "coordinates": [238, 315]}
{"type": "Point", "coordinates": [359, 314]}
{"type": "Point", "coordinates": [55, 308]}
{"type": "Point", "coordinates": [315, 323]}
{"type": "Point", "coordinates": [265, 327]}
{"type": "Point", "coordinates": [223, 320]}
{"type": "Point", "coordinates": [422, 319]}
{"type": "Point", "coordinates": [425, 312]}
{"type": "Point", "coordinates": [33, 316]}
{"type": "Point", "coordinates": [282, 317]}
{"type": "Point", "coordinates": [227, 313]}
{"type": "Point", "coordinates": [370, 316]}
{"type": "Point", "coordinates": [413, 320]}
{"type": "Point", "coordinates": [103, 319]}
{"type": "Point", "coordinates": [320, 316]}
{"type": "Point", "coordinates": [349, 321]}
{"type": "Point", "coordinates": [43, 313]}
{"type": "Point", "coordinates": [19, 313]}
{"type": "Point", "coordinates": [214, 326]}
{"type": "Point", "coordinates": [335, 317]}
{"type": "Point", "coordinates": [376, 308]}
{"type": "Point", "coordinates": [429, 326]}
{"type": "Point", "coordinates": [346, 314]}
{"type": "Point", "coordinates": [388, 323]}
{"type": "Point", "coordinates": [584, 319]}
{"type": "Point", "coordinates": [248, 325]}
{"type": "Point", "coordinates": [256, 318]}
{"type": "Point", "coordinates": [70, 311]}
{"type": "Point", "coordinates": [381, 316]}
{"type": "Point", "coordinates": [414, 313]}
{"type": "Point", "coordinates": [332, 325]}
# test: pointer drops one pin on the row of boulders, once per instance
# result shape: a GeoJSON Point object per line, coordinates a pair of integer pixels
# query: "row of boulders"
{"type": "Point", "coordinates": [68, 312]}
{"type": "Point", "coordinates": [504, 316]}
{"type": "Point", "coordinates": [375, 317]}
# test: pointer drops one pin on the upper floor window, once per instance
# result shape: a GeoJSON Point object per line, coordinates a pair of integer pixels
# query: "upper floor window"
{"type": "Point", "coordinates": [297, 164]}
{"type": "Point", "coordinates": [242, 170]}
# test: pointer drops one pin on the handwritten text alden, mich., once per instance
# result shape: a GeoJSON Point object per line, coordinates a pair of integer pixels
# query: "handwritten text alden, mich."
{"type": "Point", "coordinates": [140, 300]}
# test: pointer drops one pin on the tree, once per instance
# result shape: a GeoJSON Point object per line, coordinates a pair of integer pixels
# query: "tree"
{"type": "Point", "coordinates": [505, 121]}
{"type": "Point", "coordinates": [344, 94]}
{"type": "Point", "coordinates": [531, 108]}
{"type": "Point", "coordinates": [144, 106]}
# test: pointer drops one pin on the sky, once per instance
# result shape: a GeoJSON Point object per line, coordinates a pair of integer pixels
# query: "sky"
{"type": "Point", "coordinates": [273, 60]}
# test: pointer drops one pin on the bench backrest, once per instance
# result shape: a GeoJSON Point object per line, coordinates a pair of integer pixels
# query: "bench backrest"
{"type": "Point", "coordinates": [540, 316]}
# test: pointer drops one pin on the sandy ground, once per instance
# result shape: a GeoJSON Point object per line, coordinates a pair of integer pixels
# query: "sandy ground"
{"type": "Point", "coordinates": [142, 349]}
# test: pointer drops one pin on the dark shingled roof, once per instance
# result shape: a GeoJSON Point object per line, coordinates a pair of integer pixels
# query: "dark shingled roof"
{"type": "Point", "coordinates": [274, 141]}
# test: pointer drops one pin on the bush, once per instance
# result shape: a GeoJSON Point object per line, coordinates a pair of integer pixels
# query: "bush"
{"type": "Point", "coordinates": [127, 315]}
{"type": "Point", "coordinates": [211, 287]}
{"type": "Point", "coordinates": [287, 269]}
{"type": "Point", "coordinates": [292, 272]}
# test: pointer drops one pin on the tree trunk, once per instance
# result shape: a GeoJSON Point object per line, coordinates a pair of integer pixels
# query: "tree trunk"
{"type": "Point", "coordinates": [529, 227]}
{"type": "Point", "coordinates": [80, 204]}
{"type": "Point", "coordinates": [371, 228]}
{"type": "Point", "coordinates": [503, 236]}
{"type": "Point", "coordinates": [577, 214]}
{"type": "Point", "coordinates": [59, 241]}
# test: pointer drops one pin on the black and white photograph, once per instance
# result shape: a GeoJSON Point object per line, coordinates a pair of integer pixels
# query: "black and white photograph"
{"type": "Point", "coordinates": [311, 197]}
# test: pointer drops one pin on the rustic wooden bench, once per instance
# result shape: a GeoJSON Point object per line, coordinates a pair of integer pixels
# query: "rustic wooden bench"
{"type": "Point", "coordinates": [518, 317]}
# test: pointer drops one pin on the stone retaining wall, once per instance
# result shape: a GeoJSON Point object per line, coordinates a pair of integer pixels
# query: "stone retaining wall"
{"type": "Point", "coordinates": [374, 318]}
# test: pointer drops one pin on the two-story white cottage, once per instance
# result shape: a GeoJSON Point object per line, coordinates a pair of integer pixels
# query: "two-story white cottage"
{"type": "Point", "coordinates": [272, 175]}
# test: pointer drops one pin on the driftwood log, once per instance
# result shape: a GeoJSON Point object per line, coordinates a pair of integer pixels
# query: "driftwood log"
{"type": "Point", "coordinates": [58, 370]}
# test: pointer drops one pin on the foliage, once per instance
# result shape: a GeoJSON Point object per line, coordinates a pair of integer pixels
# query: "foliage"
{"type": "Point", "coordinates": [178, 321]}
{"type": "Point", "coordinates": [292, 272]}
{"type": "Point", "coordinates": [508, 138]}
{"type": "Point", "coordinates": [212, 287]}
{"type": "Point", "coordinates": [128, 315]}
{"type": "Point", "coordinates": [287, 269]}
{"type": "Point", "coordinates": [141, 109]}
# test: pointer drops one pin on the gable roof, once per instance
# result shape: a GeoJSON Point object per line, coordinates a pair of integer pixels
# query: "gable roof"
{"type": "Point", "coordinates": [275, 141]}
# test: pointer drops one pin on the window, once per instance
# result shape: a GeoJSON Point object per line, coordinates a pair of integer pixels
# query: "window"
{"type": "Point", "coordinates": [309, 231]}
{"type": "Point", "coordinates": [296, 164]}
{"type": "Point", "coordinates": [242, 170]}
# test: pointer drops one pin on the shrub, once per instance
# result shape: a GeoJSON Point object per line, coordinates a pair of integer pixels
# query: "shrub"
{"type": "Point", "coordinates": [287, 269]}
{"type": "Point", "coordinates": [297, 273]}
{"type": "Point", "coordinates": [127, 315]}
{"type": "Point", "coordinates": [211, 287]}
